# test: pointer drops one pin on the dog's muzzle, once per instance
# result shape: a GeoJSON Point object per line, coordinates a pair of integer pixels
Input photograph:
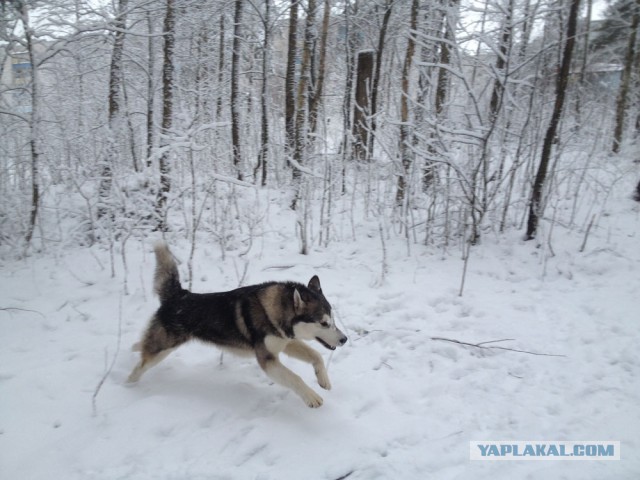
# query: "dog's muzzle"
{"type": "Point", "coordinates": [341, 341]}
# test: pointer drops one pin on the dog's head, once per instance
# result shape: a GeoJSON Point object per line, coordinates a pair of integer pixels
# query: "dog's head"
{"type": "Point", "coordinates": [313, 319]}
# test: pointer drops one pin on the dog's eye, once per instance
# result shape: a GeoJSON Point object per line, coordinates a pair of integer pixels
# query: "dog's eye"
{"type": "Point", "coordinates": [324, 324]}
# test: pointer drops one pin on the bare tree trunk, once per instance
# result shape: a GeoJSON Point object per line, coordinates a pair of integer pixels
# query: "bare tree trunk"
{"type": "Point", "coordinates": [114, 110]}
{"type": "Point", "coordinates": [167, 112]}
{"type": "Point", "coordinates": [536, 205]}
{"type": "Point", "coordinates": [525, 33]}
{"type": "Point", "coordinates": [625, 84]}
{"type": "Point", "coordinates": [501, 62]}
{"type": "Point", "coordinates": [116, 71]}
{"type": "Point", "coordinates": [446, 29]}
{"type": "Point", "coordinates": [203, 113]}
{"type": "Point", "coordinates": [362, 107]}
{"type": "Point", "coordinates": [442, 88]}
{"type": "Point", "coordinates": [220, 68]}
{"type": "Point", "coordinates": [376, 77]}
{"type": "Point", "coordinates": [637, 77]}
{"type": "Point", "coordinates": [316, 96]}
{"type": "Point", "coordinates": [264, 114]}
{"type": "Point", "coordinates": [405, 128]}
{"type": "Point", "coordinates": [235, 85]}
{"type": "Point", "coordinates": [432, 23]}
{"type": "Point", "coordinates": [150, 89]}
{"type": "Point", "coordinates": [23, 12]}
{"type": "Point", "coordinates": [302, 115]}
{"type": "Point", "coordinates": [290, 81]}
{"type": "Point", "coordinates": [130, 128]}
{"type": "Point", "coordinates": [350, 49]}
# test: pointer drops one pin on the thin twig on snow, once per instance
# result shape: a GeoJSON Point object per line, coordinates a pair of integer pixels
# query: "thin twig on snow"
{"type": "Point", "coordinates": [482, 345]}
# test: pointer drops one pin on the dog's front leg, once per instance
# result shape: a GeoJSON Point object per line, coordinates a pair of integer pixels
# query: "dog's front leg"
{"type": "Point", "coordinates": [280, 374]}
{"type": "Point", "coordinates": [301, 351]}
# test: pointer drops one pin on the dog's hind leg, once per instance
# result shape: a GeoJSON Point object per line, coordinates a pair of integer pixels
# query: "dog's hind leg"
{"type": "Point", "coordinates": [146, 363]}
{"type": "Point", "coordinates": [305, 353]}
{"type": "Point", "coordinates": [156, 345]}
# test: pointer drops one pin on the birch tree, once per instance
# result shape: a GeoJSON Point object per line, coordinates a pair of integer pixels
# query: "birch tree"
{"type": "Point", "coordinates": [235, 90]}
{"type": "Point", "coordinates": [263, 156]}
{"type": "Point", "coordinates": [167, 113]}
{"type": "Point", "coordinates": [34, 120]}
{"type": "Point", "coordinates": [290, 81]}
{"type": "Point", "coordinates": [301, 141]}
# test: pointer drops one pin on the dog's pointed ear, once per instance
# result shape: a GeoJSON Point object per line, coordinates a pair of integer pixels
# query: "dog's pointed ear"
{"type": "Point", "coordinates": [314, 284]}
{"type": "Point", "coordinates": [298, 303]}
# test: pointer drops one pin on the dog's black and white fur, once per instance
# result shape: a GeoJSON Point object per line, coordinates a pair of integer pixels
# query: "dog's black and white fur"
{"type": "Point", "coordinates": [262, 320]}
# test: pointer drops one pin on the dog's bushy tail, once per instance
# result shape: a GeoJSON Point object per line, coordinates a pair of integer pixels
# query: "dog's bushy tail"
{"type": "Point", "coordinates": [166, 281]}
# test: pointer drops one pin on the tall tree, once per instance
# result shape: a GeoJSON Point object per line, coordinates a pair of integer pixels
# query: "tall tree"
{"type": "Point", "coordinates": [264, 92]}
{"type": "Point", "coordinates": [347, 100]}
{"type": "Point", "coordinates": [302, 100]}
{"type": "Point", "coordinates": [221, 62]}
{"type": "Point", "coordinates": [536, 205]}
{"type": "Point", "coordinates": [406, 152]}
{"type": "Point", "coordinates": [362, 105]}
{"type": "Point", "coordinates": [235, 89]}
{"type": "Point", "coordinates": [382, 35]}
{"type": "Point", "coordinates": [430, 30]}
{"type": "Point", "coordinates": [318, 88]}
{"type": "Point", "coordinates": [504, 47]}
{"type": "Point", "coordinates": [444, 17]}
{"type": "Point", "coordinates": [625, 83]}
{"type": "Point", "coordinates": [22, 10]}
{"type": "Point", "coordinates": [290, 81]}
{"type": "Point", "coordinates": [167, 112]}
{"type": "Point", "coordinates": [449, 19]}
{"type": "Point", "coordinates": [115, 108]}
{"type": "Point", "coordinates": [150, 87]}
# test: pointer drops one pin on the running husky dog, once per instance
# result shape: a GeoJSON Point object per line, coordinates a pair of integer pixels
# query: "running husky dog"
{"type": "Point", "coordinates": [261, 320]}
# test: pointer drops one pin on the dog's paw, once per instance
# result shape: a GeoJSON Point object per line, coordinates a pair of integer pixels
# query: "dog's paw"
{"type": "Point", "coordinates": [135, 376]}
{"type": "Point", "coordinates": [312, 399]}
{"type": "Point", "coordinates": [323, 380]}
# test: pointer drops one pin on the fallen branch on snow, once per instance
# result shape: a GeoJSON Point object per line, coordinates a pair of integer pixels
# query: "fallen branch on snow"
{"type": "Point", "coordinates": [17, 309]}
{"type": "Point", "coordinates": [483, 346]}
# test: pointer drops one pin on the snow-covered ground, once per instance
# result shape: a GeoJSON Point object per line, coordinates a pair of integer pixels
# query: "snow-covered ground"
{"type": "Point", "coordinates": [404, 403]}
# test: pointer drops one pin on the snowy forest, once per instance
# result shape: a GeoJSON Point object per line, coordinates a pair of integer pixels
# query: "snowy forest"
{"type": "Point", "coordinates": [461, 175]}
{"type": "Point", "coordinates": [443, 121]}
